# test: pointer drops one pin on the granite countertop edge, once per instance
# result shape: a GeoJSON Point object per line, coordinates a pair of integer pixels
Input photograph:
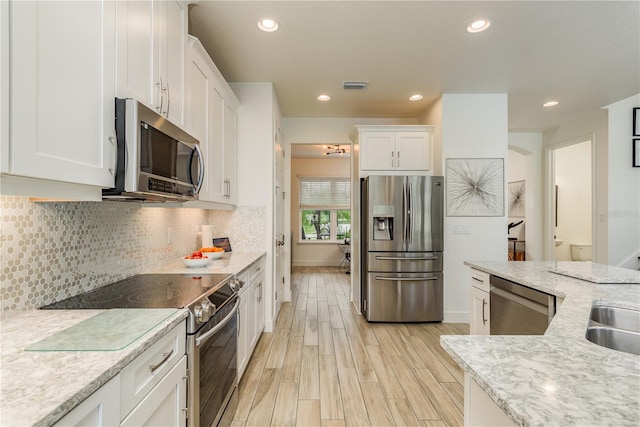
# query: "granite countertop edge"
{"type": "Point", "coordinates": [562, 352]}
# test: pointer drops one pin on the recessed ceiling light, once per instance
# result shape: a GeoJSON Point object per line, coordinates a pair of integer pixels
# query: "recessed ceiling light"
{"type": "Point", "coordinates": [479, 25]}
{"type": "Point", "coordinates": [550, 104]}
{"type": "Point", "coordinates": [416, 97]}
{"type": "Point", "coordinates": [269, 25]}
{"type": "Point", "coordinates": [323, 97]}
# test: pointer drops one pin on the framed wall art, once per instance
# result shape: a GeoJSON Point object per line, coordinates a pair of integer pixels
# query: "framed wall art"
{"type": "Point", "coordinates": [636, 153]}
{"type": "Point", "coordinates": [475, 187]}
{"type": "Point", "coordinates": [636, 121]}
{"type": "Point", "coordinates": [516, 199]}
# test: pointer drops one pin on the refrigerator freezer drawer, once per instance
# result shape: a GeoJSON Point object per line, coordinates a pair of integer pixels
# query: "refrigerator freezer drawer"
{"type": "Point", "coordinates": [410, 262]}
{"type": "Point", "coordinates": [406, 297]}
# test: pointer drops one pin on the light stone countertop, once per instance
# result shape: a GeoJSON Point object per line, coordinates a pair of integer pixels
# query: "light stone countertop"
{"type": "Point", "coordinates": [558, 378]}
{"type": "Point", "coordinates": [231, 263]}
{"type": "Point", "coordinates": [37, 388]}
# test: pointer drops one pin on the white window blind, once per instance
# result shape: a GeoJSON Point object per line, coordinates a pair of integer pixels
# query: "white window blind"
{"type": "Point", "coordinates": [325, 193]}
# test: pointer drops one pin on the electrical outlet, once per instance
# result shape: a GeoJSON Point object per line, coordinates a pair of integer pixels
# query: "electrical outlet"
{"type": "Point", "coordinates": [169, 236]}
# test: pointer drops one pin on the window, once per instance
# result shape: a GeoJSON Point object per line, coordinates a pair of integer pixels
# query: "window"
{"type": "Point", "coordinates": [325, 214]}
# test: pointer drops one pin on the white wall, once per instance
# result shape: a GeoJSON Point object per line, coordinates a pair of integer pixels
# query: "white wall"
{"type": "Point", "coordinates": [624, 187]}
{"type": "Point", "coordinates": [573, 178]}
{"type": "Point", "coordinates": [473, 126]}
{"type": "Point", "coordinates": [525, 162]}
{"type": "Point", "coordinates": [590, 126]}
{"type": "Point", "coordinates": [317, 253]}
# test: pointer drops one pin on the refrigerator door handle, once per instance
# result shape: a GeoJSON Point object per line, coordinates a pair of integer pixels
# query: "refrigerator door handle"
{"type": "Point", "coordinates": [405, 225]}
{"type": "Point", "coordinates": [395, 258]}
{"type": "Point", "coordinates": [405, 279]}
{"type": "Point", "coordinates": [409, 215]}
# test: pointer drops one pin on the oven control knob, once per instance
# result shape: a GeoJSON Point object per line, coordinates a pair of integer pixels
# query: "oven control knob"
{"type": "Point", "coordinates": [203, 311]}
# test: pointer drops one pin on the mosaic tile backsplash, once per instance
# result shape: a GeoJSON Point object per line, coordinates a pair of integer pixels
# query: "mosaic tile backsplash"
{"type": "Point", "coordinates": [51, 251]}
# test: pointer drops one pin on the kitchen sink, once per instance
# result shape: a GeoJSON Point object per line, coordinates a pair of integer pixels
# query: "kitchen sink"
{"type": "Point", "coordinates": [616, 339]}
{"type": "Point", "coordinates": [620, 318]}
{"type": "Point", "coordinates": [615, 328]}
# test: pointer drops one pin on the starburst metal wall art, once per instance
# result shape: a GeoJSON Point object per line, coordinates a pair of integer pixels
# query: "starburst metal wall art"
{"type": "Point", "coordinates": [475, 187]}
{"type": "Point", "coordinates": [516, 199]}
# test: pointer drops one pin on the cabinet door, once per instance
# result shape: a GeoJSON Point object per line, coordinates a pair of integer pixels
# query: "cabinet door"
{"type": "Point", "coordinates": [413, 151]}
{"type": "Point", "coordinates": [138, 74]}
{"type": "Point", "coordinates": [229, 164]}
{"type": "Point", "coordinates": [479, 312]}
{"type": "Point", "coordinates": [172, 58]}
{"type": "Point", "coordinates": [99, 409]}
{"type": "Point", "coordinates": [243, 334]}
{"type": "Point", "coordinates": [63, 86]}
{"type": "Point", "coordinates": [199, 113]}
{"type": "Point", "coordinates": [166, 403]}
{"type": "Point", "coordinates": [377, 151]}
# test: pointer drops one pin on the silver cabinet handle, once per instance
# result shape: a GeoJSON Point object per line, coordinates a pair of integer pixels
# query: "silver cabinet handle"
{"type": "Point", "coordinates": [161, 92]}
{"type": "Point", "coordinates": [397, 159]}
{"type": "Point", "coordinates": [168, 100]}
{"type": "Point", "coordinates": [484, 303]}
{"type": "Point", "coordinates": [165, 357]}
{"type": "Point", "coordinates": [477, 280]}
{"type": "Point", "coordinates": [392, 159]}
{"type": "Point", "coordinates": [114, 153]}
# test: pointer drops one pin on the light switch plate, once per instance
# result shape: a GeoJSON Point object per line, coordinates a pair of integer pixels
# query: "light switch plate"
{"type": "Point", "coordinates": [461, 229]}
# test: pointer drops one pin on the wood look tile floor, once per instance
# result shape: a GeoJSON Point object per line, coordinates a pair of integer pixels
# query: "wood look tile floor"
{"type": "Point", "coordinates": [325, 365]}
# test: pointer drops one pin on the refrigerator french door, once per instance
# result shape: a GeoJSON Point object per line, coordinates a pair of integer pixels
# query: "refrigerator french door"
{"type": "Point", "coordinates": [402, 237]}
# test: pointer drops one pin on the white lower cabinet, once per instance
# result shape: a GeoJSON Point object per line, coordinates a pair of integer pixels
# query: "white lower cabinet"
{"type": "Point", "coordinates": [480, 304]}
{"type": "Point", "coordinates": [102, 408]}
{"type": "Point", "coordinates": [251, 313]}
{"type": "Point", "coordinates": [150, 391]}
{"type": "Point", "coordinates": [166, 404]}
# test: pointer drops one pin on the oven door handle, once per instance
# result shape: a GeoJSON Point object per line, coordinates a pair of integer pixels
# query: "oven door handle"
{"type": "Point", "coordinates": [219, 326]}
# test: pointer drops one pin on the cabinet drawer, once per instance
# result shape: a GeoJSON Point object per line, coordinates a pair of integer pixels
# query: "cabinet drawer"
{"type": "Point", "coordinates": [144, 372]}
{"type": "Point", "coordinates": [479, 279]}
{"type": "Point", "coordinates": [255, 270]}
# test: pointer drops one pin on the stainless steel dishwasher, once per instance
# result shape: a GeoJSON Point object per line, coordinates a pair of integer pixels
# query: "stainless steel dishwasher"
{"type": "Point", "coordinates": [518, 310]}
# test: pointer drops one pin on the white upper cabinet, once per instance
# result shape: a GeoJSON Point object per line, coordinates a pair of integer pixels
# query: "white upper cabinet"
{"type": "Point", "coordinates": [212, 120]}
{"type": "Point", "coordinates": [151, 55]}
{"type": "Point", "coordinates": [395, 148]}
{"type": "Point", "coordinates": [60, 58]}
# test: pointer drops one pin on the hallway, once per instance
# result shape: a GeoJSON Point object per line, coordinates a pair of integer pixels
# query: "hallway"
{"type": "Point", "coordinates": [326, 366]}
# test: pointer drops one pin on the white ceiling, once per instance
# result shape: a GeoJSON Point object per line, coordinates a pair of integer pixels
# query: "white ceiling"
{"type": "Point", "coordinates": [585, 54]}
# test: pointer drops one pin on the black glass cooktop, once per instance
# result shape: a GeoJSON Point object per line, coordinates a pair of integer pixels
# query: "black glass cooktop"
{"type": "Point", "coordinates": [152, 291]}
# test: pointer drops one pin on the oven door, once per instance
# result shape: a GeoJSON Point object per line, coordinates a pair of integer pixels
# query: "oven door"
{"type": "Point", "coordinates": [213, 371]}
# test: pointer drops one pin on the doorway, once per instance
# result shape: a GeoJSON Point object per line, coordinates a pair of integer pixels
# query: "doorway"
{"type": "Point", "coordinates": [320, 212]}
{"type": "Point", "coordinates": [570, 195]}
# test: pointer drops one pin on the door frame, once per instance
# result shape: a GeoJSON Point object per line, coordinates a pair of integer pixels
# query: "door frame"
{"type": "Point", "coordinates": [550, 203]}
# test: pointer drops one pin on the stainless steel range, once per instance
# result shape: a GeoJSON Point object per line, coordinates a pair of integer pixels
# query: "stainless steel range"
{"type": "Point", "coordinates": [212, 331]}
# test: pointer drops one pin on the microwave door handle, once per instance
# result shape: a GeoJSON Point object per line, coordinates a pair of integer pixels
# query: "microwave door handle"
{"type": "Point", "coordinates": [201, 167]}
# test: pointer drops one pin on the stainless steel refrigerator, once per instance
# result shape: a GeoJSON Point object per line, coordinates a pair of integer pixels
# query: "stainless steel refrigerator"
{"type": "Point", "coordinates": [402, 248]}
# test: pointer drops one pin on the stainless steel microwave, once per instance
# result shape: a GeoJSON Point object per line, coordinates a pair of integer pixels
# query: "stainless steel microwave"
{"type": "Point", "coordinates": [156, 160]}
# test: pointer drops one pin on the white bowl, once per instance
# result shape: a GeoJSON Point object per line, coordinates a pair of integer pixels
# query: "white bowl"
{"type": "Point", "coordinates": [213, 255]}
{"type": "Point", "coordinates": [196, 262]}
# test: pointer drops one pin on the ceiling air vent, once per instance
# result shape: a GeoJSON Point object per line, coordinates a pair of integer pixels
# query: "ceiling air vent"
{"type": "Point", "coordinates": [354, 85]}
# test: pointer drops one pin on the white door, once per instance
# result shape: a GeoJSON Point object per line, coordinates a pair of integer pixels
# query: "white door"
{"type": "Point", "coordinates": [279, 207]}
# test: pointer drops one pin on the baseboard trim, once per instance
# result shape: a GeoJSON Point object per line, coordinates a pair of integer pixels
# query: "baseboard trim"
{"type": "Point", "coordinates": [456, 317]}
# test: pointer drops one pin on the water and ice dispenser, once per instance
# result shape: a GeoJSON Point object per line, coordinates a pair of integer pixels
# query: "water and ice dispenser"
{"type": "Point", "coordinates": [382, 222]}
